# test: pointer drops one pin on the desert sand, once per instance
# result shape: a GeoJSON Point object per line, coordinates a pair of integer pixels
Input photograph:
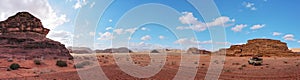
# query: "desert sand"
{"type": "Point", "coordinates": [275, 68]}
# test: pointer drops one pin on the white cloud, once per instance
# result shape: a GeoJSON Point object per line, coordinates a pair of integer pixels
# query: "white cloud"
{"type": "Point", "coordinates": [105, 36]}
{"type": "Point", "coordinates": [249, 5]}
{"type": "Point", "coordinates": [144, 29]}
{"type": "Point", "coordinates": [146, 37]}
{"type": "Point", "coordinates": [181, 41]}
{"type": "Point", "coordinates": [188, 18]}
{"type": "Point", "coordinates": [39, 8]}
{"type": "Point", "coordinates": [276, 33]}
{"type": "Point", "coordinates": [161, 37]}
{"type": "Point", "coordinates": [258, 26]}
{"type": "Point", "coordinates": [79, 4]}
{"type": "Point", "coordinates": [92, 4]}
{"type": "Point", "coordinates": [289, 37]}
{"type": "Point", "coordinates": [64, 37]}
{"type": "Point", "coordinates": [239, 28]}
{"type": "Point", "coordinates": [189, 41]}
{"type": "Point", "coordinates": [253, 8]}
{"type": "Point", "coordinates": [110, 20]}
{"type": "Point", "coordinates": [108, 28]}
{"type": "Point", "coordinates": [220, 21]}
{"type": "Point", "coordinates": [141, 43]}
{"type": "Point", "coordinates": [298, 41]}
{"type": "Point", "coordinates": [123, 31]}
{"type": "Point", "coordinates": [119, 31]}
{"type": "Point", "coordinates": [193, 41]}
{"type": "Point", "coordinates": [130, 30]}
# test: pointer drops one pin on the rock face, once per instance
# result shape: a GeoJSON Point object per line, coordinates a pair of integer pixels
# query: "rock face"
{"type": "Point", "coordinates": [197, 51]}
{"type": "Point", "coordinates": [260, 47]}
{"type": "Point", "coordinates": [23, 22]}
{"type": "Point", "coordinates": [23, 35]}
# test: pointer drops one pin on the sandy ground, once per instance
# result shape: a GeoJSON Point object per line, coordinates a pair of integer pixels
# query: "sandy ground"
{"type": "Point", "coordinates": [273, 68]}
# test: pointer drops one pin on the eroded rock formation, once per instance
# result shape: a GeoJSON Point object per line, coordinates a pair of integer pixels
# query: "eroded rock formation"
{"type": "Point", "coordinates": [260, 47]}
{"type": "Point", "coordinates": [23, 35]}
{"type": "Point", "coordinates": [194, 50]}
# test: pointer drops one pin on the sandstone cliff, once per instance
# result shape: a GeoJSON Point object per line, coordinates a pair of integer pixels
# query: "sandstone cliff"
{"type": "Point", "coordinates": [260, 47]}
{"type": "Point", "coordinates": [23, 35]}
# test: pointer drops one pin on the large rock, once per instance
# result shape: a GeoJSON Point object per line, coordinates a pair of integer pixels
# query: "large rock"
{"type": "Point", "coordinates": [194, 50]}
{"type": "Point", "coordinates": [23, 35]}
{"type": "Point", "coordinates": [23, 22]}
{"type": "Point", "coordinates": [260, 47]}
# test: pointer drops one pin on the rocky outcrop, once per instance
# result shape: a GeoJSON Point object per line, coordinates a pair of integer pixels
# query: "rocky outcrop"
{"type": "Point", "coordinates": [23, 22]}
{"type": "Point", "coordinates": [155, 51]}
{"type": "Point", "coordinates": [194, 50]}
{"type": "Point", "coordinates": [260, 47]}
{"type": "Point", "coordinates": [23, 35]}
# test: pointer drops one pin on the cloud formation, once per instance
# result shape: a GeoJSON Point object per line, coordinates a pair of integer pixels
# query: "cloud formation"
{"type": "Point", "coordinates": [105, 36]}
{"type": "Point", "coordinates": [289, 37]}
{"type": "Point", "coordinates": [39, 8]}
{"type": "Point", "coordinates": [146, 37]}
{"type": "Point", "coordinates": [196, 25]}
{"type": "Point", "coordinates": [238, 28]}
{"type": "Point", "coordinates": [276, 33]}
{"type": "Point", "coordinates": [258, 26]}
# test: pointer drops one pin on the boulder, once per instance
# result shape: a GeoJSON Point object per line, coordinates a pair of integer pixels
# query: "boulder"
{"type": "Point", "coordinates": [155, 51]}
{"type": "Point", "coordinates": [194, 50]}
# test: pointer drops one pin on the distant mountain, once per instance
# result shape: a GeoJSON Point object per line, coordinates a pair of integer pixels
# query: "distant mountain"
{"type": "Point", "coordinates": [115, 50]}
{"type": "Point", "coordinates": [80, 50]}
{"type": "Point", "coordinates": [23, 35]}
{"type": "Point", "coordinates": [295, 50]}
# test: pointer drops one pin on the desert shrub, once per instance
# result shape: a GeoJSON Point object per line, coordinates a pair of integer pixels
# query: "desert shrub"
{"type": "Point", "coordinates": [10, 60]}
{"type": "Point", "coordinates": [227, 70]}
{"type": "Point", "coordinates": [240, 68]}
{"type": "Point", "coordinates": [235, 63]}
{"type": "Point", "coordinates": [55, 57]}
{"type": "Point", "coordinates": [37, 62]}
{"type": "Point", "coordinates": [195, 62]}
{"type": "Point", "coordinates": [61, 63]}
{"type": "Point", "coordinates": [14, 66]}
{"type": "Point", "coordinates": [105, 61]}
{"type": "Point", "coordinates": [71, 58]}
{"type": "Point", "coordinates": [230, 54]}
{"type": "Point", "coordinates": [285, 62]}
{"type": "Point", "coordinates": [244, 65]}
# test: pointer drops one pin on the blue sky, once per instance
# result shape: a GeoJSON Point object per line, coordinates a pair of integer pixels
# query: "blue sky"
{"type": "Point", "coordinates": [179, 25]}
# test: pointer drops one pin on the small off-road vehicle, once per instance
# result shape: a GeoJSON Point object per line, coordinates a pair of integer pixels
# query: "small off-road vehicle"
{"type": "Point", "coordinates": [255, 61]}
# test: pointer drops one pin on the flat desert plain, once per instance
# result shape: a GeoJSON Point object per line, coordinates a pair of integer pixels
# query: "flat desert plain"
{"type": "Point", "coordinates": [273, 68]}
